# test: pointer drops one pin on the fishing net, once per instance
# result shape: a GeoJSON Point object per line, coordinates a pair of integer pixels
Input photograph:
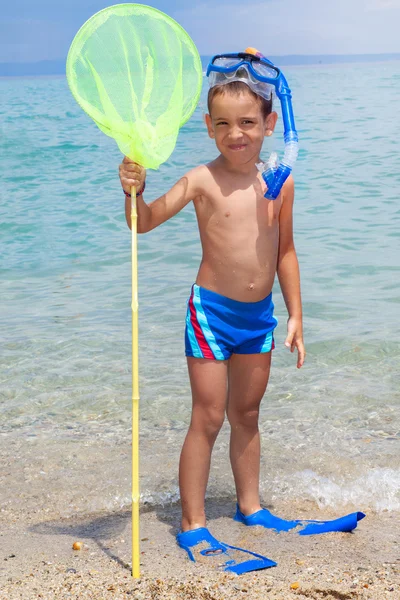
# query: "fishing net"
{"type": "Point", "coordinates": [138, 75]}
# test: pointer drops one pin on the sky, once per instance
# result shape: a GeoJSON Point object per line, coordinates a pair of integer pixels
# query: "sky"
{"type": "Point", "coordinates": [33, 30]}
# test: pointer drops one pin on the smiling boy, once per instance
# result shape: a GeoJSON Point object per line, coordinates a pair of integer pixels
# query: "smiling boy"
{"type": "Point", "coordinates": [246, 240]}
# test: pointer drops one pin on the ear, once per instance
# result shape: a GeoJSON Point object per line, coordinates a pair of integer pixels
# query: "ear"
{"type": "Point", "coordinates": [210, 128]}
{"type": "Point", "coordinates": [270, 123]}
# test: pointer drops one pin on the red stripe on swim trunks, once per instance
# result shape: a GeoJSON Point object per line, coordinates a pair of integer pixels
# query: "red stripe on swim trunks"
{"type": "Point", "coordinates": [201, 340]}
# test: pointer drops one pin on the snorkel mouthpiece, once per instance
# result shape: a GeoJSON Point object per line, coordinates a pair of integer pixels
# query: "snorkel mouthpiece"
{"type": "Point", "coordinates": [275, 174]}
{"type": "Point", "coordinates": [224, 68]}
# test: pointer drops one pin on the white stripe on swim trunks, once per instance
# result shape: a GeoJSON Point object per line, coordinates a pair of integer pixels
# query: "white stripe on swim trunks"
{"type": "Point", "coordinates": [202, 319]}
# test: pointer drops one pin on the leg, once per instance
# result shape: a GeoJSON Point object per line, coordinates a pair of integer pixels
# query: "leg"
{"type": "Point", "coordinates": [208, 380]}
{"type": "Point", "coordinates": [248, 378]}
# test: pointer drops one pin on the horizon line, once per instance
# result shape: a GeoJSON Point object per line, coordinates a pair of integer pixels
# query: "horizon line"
{"type": "Point", "coordinates": [42, 60]}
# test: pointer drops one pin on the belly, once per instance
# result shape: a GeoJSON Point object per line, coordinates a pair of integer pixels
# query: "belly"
{"type": "Point", "coordinates": [240, 267]}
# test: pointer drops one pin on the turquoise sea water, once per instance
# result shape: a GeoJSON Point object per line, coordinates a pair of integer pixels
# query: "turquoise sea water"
{"type": "Point", "coordinates": [330, 431]}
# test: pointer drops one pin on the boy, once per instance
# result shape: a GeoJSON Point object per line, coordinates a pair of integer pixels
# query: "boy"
{"type": "Point", "coordinates": [246, 239]}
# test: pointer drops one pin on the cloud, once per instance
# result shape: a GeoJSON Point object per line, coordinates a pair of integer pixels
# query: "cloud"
{"type": "Point", "coordinates": [376, 5]}
{"type": "Point", "coordinates": [291, 27]}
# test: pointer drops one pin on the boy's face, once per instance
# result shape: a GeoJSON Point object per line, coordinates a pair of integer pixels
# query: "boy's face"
{"type": "Point", "coordinates": [238, 126]}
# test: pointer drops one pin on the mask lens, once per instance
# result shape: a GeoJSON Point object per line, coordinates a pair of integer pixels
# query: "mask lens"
{"type": "Point", "coordinates": [226, 62]}
{"type": "Point", "coordinates": [265, 70]}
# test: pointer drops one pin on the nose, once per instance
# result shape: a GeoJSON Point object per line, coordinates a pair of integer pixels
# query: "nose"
{"type": "Point", "coordinates": [235, 132]}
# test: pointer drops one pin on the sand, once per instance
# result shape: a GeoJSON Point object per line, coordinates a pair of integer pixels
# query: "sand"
{"type": "Point", "coordinates": [37, 559]}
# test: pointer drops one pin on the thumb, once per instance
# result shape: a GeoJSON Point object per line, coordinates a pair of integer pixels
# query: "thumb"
{"type": "Point", "coordinates": [289, 340]}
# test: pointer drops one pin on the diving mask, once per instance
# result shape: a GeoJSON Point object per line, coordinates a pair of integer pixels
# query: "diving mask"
{"type": "Point", "coordinates": [258, 74]}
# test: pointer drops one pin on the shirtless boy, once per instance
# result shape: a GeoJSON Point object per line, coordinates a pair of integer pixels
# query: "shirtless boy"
{"type": "Point", "coordinates": [246, 239]}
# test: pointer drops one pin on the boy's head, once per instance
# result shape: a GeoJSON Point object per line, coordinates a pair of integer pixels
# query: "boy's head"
{"type": "Point", "coordinates": [238, 120]}
{"type": "Point", "coordinates": [240, 103]}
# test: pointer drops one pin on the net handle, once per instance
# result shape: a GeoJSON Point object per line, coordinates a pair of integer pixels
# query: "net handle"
{"type": "Point", "coordinates": [135, 394]}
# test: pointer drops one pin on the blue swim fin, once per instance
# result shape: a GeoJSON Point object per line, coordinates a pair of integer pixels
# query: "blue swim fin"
{"type": "Point", "coordinates": [266, 519]}
{"type": "Point", "coordinates": [222, 556]}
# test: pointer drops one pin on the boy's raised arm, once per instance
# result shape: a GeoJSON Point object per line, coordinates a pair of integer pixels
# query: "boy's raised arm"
{"type": "Point", "coordinates": [163, 208]}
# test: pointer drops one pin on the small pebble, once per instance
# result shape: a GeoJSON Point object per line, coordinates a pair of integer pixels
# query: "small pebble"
{"type": "Point", "coordinates": [77, 546]}
{"type": "Point", "coordinates": [295, 585]}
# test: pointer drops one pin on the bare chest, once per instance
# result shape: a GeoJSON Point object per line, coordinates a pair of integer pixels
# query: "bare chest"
{"type": "Point", "coordinates": [242, 209]}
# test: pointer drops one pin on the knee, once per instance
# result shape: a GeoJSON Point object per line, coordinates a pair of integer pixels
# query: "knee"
{"type": "Point", "coordinates": [208, 420]}
{"type": "Point", "coordinates": [247, 419]}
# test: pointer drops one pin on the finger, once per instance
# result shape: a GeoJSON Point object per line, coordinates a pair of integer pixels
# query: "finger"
{"type": "Point", "coordinates": [128, 183]}
{"type": "Point", "coordinates": [130, 170]}
{"type": "Point", "coordinates": [301, 356]}
{"type": "Point", "coordinates": [133, 167]}
{"type": "Point", "coordinates": [134, 174]}
{"type": "Point", "coordinates": [128, 161]}
{"type": "Point", "coordinates": [130, 165]}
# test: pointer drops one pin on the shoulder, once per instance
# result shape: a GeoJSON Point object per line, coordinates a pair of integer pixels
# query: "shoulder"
{"type": "Point", "coordinates": [197, 179]}
{"type": "Point", "coordinates": [197, 173]}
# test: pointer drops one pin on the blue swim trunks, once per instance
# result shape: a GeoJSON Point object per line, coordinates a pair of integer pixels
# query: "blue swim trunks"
{"type": "Point", "coordinates": [217, 327]}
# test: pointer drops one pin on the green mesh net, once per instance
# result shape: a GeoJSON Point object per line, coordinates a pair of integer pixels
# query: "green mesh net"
{"type": "Point", "coordinates": [138, 75]}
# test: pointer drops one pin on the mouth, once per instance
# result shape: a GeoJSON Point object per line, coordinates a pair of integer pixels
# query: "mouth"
{"type": "Point", "coordinates": [237, 147]}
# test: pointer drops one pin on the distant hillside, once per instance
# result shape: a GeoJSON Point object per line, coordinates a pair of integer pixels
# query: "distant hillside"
{"type": "Point", "coordinates": [57, 67]}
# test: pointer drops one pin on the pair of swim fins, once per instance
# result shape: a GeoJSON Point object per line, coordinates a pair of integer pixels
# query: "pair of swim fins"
{"type": "Point", "coordinates": [202, 546]}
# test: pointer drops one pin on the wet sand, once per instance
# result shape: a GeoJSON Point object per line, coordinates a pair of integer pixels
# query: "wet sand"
{"type": "Point", "coordinates": [37, 559]}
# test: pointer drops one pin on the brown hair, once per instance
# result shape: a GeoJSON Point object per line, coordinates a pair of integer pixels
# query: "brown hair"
{"type": "Point", "coordinates": [238, 87]}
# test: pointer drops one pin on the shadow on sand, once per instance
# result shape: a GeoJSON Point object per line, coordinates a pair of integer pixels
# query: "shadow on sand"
{"type": "Point", "coordinates": [104, 529]}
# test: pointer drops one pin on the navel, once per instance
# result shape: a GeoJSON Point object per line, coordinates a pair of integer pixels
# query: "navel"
{"type": "Point", "coordinates": [251, 286]}
{"type": "Point", "coordinates": [228, 214]}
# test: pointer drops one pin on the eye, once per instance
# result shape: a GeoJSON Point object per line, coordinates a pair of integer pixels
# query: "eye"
{"type": "Point", "coordinates": [221, 123]}
{"type": "Point", "coordinates": [247, 122]}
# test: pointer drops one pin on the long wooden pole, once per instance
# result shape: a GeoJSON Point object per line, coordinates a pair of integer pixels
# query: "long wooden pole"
{"type": "Point", "coordinates": [135, 396]}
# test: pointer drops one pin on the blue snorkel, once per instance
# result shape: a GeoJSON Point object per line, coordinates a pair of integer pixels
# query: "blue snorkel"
{"type": "Point", "coordinates": [275, 175]}
{"type": "Point", "coordinates": [261, 75]}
